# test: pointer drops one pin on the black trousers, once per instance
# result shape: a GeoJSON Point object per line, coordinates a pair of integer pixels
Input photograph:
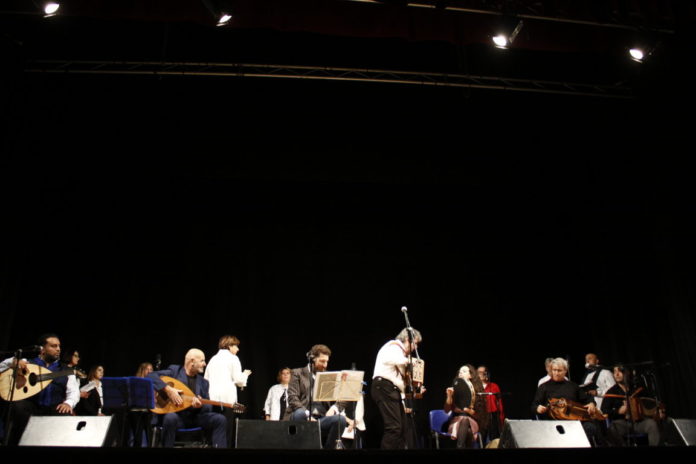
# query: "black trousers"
{"type": "Point", "coordinates": [396, 428]}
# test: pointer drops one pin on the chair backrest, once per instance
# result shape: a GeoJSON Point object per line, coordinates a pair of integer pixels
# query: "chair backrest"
{"type": "Point", "coordinates": [438, 419]}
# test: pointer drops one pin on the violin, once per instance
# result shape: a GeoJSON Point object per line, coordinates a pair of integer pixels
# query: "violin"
{"type": "Point", "coordinates": [564, 409]}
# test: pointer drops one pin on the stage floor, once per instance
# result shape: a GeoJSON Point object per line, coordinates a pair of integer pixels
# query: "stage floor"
{"type": "Point", "coordinates": [135, 456]}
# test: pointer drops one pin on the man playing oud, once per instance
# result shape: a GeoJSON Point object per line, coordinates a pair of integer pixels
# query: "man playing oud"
{"type": "Point", "coordinates": [199, 414]}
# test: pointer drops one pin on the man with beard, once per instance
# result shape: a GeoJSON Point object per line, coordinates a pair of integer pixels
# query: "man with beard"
{"type": "Point", "coordinates": [299, 391]}
{"type": "Point", "coordinates": [198, 415]}
{"type": "Point", "coordinates": [58, 398]}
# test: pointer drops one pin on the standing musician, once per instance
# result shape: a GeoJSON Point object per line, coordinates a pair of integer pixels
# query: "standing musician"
{"type": "Point", "coordinates": [624, 418]}
{"type": "Point", "coordinates": [598, 380]}
{"type": "Point", "coordinates": [558, 388]}
{"type": "Point", "coordinates": [225, 374]}
{"type": "Point", "coordinates": [388, 389]}
{"type": "Point", "coordinates": [198, 415]}
{"type": "Point", "coordinates": [494, 404]}
{"type": "Point", "coordinates": [58, 398]}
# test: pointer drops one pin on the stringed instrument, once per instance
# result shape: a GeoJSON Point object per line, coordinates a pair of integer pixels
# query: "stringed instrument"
{"type": "Point", "coordinates": [415, 368]}
{"type": "Point", "coordinates": [164, 405]}
{"type": "Point", "coordinates": [640, 407]}
{"type": "Point", "coordinates": [564, 409]}
{"type": "Point", "coordinates": [30, 381]}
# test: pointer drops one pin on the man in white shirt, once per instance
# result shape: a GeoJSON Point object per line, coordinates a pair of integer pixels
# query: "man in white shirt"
{"type": "Point", "coordinates": [224, 373]}
{"type": "Point", "coordinates": [598, 380]}
{"type": "Point", "coordinates": [388, 387]}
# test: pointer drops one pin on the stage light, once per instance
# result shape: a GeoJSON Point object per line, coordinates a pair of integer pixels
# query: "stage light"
{"type": "Point", "coordinates": [50, 9]}
{"type": "Point", "coordinates": [637, 54]}
{"type": "Point", "coordinates": [507, 32]}
{"type": "Point", "coordinates": [224, 19]}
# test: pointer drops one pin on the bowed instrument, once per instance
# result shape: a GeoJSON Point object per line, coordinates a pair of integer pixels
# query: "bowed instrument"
{"type": "Point", "coordinates": [415, 368]}
{"type": "Point", "coordinates": [564, 409]}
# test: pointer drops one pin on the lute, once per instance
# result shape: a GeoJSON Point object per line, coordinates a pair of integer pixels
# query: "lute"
{"type": "Point", "coordinates": [164, 404]}
{"type": "Point", "coordinates": [30, 381]}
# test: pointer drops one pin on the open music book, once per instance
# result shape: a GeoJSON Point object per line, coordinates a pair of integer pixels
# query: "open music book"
{"type": "Point", "coordinates": [338, 386]}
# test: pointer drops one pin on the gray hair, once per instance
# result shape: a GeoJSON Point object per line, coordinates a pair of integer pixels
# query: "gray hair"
{"type": "Point", "coordinates": [403, 335]}
{"type": "Point", "coordinates": [560, 362]}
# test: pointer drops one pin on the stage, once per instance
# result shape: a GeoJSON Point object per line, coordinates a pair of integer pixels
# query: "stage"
{"type": "Point", "coordinates": [133, 455]}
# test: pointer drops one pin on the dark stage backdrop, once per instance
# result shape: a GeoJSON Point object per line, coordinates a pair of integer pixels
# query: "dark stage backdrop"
{"type": "Point", "coordinates": [147, 216]}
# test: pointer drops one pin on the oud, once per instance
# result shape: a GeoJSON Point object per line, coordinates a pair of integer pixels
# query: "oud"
{"type": "Point", "coordinates": [164, 405]}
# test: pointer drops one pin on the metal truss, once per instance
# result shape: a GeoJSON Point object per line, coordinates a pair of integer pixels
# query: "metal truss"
{"type": "Point", "coordinates": [243, 70]}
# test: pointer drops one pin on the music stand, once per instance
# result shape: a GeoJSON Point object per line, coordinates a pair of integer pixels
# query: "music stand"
{"type": "Point", "coordinates": [338, 386]}
{"type": "Point", "coordinates": [130, 397]}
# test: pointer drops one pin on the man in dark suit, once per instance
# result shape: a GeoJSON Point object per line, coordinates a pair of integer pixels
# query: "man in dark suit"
{"type": "Point", "coordinates": [198, 415]}
{"type": "Point", "coordinates": [299, 390]}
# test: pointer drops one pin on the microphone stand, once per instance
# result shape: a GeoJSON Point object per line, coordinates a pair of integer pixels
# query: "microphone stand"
{"type": "Point", "coordinates": [410, 401]}
{"type": "Point", "coordinates": [13, 383]}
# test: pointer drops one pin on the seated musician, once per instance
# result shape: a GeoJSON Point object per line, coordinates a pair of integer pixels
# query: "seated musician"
{"type": "Point", "coordinates": [58, 398]}
{"type": "Point", "coordinates": [198, 415]}
{"type": "Point", "coordinates": [620, 414]}
{"type": "Point", "coordinates": [299, 389]}
{"type": "Point", "coordinates": [560, 388]}
{"type": "Point", "coordinates": [466, 405]}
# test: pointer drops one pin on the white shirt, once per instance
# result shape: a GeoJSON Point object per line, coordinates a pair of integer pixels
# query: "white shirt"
{"type": "Point", "coordinates": [91, 385]}
{"type": "Point", "coordinates": [391, 363]}
{"type": "Point", "coordinates": [272, 406]}
{"type": "Point", "coordinates": [224, 372]}
{"type": "Point", "coordinates": [604, 382]}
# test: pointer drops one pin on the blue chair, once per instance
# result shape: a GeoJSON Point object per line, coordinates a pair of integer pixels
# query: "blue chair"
{"type": "Point", "coordinates": [438, 422]}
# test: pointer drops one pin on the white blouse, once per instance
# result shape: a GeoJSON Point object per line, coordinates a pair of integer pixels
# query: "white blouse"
{"type": "Point", "coordinates": [224, 372]}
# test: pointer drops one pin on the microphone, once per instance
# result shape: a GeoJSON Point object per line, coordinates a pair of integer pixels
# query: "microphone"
{"type": "Point", "coordinates": [404, 309]}
{"type": "Point", "coordinates": [31, 348]}
{"type": "Point", "coordinates": [158, 361]}
{"type": "Point", "coordinates": [309, 355]}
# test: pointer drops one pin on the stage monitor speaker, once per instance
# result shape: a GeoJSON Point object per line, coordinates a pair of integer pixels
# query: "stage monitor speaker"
{"type": "Point", "coordinates": [84, 431]}
{"type": "Point", "coordinates": [261, 434]}
{"type": "Point", "coordinates": [681, 432]}
{"type": "Point", "coordinates": [543, 434]}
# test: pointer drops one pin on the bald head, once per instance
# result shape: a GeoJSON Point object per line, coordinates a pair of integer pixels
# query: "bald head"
{"type": "Point", "coordinates": [194, 362]}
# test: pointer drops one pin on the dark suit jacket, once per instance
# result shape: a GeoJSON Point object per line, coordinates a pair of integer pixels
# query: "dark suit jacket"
{"type": "Point", "coordinates": [298, 393]}
{"type": "Point", "coordinates": [179, 373]}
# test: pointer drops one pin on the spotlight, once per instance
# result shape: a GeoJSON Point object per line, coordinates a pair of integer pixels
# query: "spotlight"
{"type": "Point", "coordinates": [224, 19]}
{"type": "Point", "coordinates": [50, 9]}
{"type": "Point", "coordinates": [637, 54]}
{"type": "Point", "coordinates": [507, 33]}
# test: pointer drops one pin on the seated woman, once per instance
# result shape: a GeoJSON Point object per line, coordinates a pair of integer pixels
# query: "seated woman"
{"type": "Point", "coordinates": [277, 398]}
{"type": "Point", "coordinates": [463, 401]}
{"type": "Point", "coordinates": [144, 369]}
{"type": "Point", "coordinates": [91, 394]}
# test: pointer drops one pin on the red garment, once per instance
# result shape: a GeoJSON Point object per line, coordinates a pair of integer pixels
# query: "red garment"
{"type": "Point", "coordinates": [494, 402]}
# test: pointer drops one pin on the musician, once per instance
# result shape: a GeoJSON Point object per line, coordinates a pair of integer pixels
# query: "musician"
{"type": "Point", "coordinates": [198, 415]}
{"type": "Point", "coordinates": [598, 380]}
{"type": "Point", "coordinates": [615, 406]}
{"type": "Point", "coordinates": [560, 387]}
{"type": "Point", "coordinates": [494, 404]}
{"type": "Point", "coordinates": [92, 394]}
{"type": "Point", "coordinates": [58, 398]}
{"type": "Point", "coordinates": [71, 360]}
{"type": "Point", "coordinates": [466, 405]}
{"type": "Point", "coordinates": [299, 390]}
{"type": "Point", "coordinates": [225, 374]}
{"type": "Point", "coordinates": [144, 369]}
{"type": "Point", "coordinates": [388, 389]}
{"type": "Point", "coordinates": [277, 398]}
